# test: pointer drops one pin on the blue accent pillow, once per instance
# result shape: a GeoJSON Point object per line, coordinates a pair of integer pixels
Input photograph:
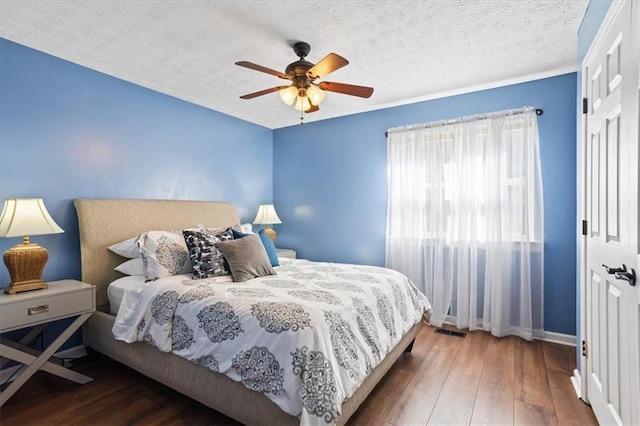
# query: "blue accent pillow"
{"type": "Point", "coordinates": [238, 234]}
{"type": "Point", "coordinates": [269, 247]}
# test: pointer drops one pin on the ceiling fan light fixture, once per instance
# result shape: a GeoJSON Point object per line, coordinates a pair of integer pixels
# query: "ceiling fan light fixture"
{"type": "Point", "coordinates": [302, 103]}
{"type": "Point", "coordinates": [288, 95]}
{"type": "Point", "coordinates": [315, 94]}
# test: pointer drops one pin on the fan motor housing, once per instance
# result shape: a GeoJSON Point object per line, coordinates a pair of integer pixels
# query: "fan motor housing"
{"type": "Point", "coordinates": [298, 72]}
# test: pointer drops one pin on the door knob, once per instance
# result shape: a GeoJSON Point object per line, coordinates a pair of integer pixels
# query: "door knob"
{"type": "Point", "coordinates": [612, 271]}
{"type": "Point", "coordinates": [627, 276]}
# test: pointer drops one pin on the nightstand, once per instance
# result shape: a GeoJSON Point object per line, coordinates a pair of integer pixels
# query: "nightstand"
{"type": "Point", "coordinates": [286, 253]}
{"type": "Point", "coordinates": [63, 299]}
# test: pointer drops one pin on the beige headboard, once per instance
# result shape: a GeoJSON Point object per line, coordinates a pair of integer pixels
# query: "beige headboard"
{"type": "Point", "coordinates": [104, 222]}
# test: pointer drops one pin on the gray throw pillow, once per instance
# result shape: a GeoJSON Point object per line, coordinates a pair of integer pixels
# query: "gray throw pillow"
{"type": "Point", "coordinates": [247, 258]}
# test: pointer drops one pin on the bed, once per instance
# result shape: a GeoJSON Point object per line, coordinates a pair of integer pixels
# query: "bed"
{"type": "Point", "coordinates": [103, 222]}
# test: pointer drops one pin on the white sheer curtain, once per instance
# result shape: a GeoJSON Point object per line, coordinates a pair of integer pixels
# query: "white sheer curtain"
{"type": "Point", "coordinates": [465, 219]}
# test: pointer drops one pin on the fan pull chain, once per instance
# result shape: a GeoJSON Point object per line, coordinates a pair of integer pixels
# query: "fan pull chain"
{"type": "Point", "coordinates": [302, 117]}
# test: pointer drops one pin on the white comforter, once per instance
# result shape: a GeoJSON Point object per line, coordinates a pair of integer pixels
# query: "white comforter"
{"type": "Point", "coordinates": [306, 337]}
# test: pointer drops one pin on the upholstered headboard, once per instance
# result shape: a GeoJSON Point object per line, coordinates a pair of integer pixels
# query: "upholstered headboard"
{"type": "Point", "coordinates": [104, 222]}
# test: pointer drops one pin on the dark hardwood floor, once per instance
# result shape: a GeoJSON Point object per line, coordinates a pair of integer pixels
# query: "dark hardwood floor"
{"type": "Point", "coordinates": [478, 379]}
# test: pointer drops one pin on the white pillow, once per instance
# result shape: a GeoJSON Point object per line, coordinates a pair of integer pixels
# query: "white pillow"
{"type": "Point", "coordinates": [246, 228]}
{"type": "Point", "coordinates": [164, 253]}
{"type": "Point", "coordinates": [133, 266]}
{"type": "Point", "coordinates": [127, 248]}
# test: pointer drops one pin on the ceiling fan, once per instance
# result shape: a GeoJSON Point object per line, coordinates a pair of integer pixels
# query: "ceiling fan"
{"type": "Point", "coordinates": [304, 90]}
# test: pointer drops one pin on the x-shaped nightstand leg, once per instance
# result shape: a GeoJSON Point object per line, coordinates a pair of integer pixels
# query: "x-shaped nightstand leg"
{"type": "Point", "coordinates": [41, 362]}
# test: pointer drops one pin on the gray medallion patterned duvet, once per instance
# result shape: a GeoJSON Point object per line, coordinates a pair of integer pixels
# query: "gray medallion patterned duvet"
{"type": "Point", "coordinates": [306, 337]}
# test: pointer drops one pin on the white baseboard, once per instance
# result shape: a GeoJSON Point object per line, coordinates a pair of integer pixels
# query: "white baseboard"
{"type": "Point", "coordinates": [562, 339]}
{"type": "Point", "coordinates": [576, 380]}
{"type": "Point", "coordinates": [74, 352]}
{"type": "Point", "coordinates": [549, 336]}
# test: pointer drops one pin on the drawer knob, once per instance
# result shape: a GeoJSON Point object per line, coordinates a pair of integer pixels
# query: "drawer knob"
{"type": "Point", "coordinates": [38, 310]}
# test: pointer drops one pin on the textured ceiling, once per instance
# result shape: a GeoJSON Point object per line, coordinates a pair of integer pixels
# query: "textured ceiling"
{"type": "Point", "coordinates": [407, 50]}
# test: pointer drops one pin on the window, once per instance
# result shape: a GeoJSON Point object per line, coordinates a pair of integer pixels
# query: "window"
{"type": "Point", "coordinates": [465, 219]}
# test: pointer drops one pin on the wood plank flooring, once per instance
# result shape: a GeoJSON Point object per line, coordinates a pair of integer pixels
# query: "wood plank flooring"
{"type": "Point", "coordinates": [478, 379]}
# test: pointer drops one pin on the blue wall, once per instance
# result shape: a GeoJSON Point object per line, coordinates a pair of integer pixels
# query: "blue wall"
{"type": "Point", "coordinates": [68, 132]}
{"type": "Point", "coordinates": [330, 186]}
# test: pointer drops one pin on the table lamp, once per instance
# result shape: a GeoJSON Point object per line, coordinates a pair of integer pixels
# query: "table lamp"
{"type": "Point", "coordinates": [267, 216]}
{"type": "Point", "coordinates": [22, 217]}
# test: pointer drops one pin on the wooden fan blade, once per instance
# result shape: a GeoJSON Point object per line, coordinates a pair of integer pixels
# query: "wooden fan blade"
{"type": "Point", "coordinates": [260, 68]}
{"type": "Point", "coordinates": [263, 92]}
{"type": "Point", "coordinates": [313, 108]}
{"type": "Point", "coordinates": [327, 65]}
{"type": "Point", "coordinates": [347, 89]}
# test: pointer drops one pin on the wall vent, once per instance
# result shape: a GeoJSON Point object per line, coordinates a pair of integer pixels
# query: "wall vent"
{"type": "Point", "coordinates": [450, 332]}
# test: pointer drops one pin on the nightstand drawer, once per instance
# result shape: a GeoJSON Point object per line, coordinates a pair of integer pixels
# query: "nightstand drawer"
{"type": "Point", "coordinates": [24, 313]}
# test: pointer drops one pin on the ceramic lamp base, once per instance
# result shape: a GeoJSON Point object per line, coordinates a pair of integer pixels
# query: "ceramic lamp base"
{"type": "Point", "coordinates": [271, 233]}
{"type": "Point", "coordinates": [25, 263]}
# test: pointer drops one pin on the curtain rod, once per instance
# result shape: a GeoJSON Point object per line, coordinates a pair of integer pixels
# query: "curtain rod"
{"type": "Point", "coordinates": [467, 118]}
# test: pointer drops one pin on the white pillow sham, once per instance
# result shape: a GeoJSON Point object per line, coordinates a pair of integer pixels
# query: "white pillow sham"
{"type": "Point", "coordinates": [164, 253]}
{"type": "Point", "coordinates": [127, 248]}
{"type": "Point", "coordinates": [133, 266]}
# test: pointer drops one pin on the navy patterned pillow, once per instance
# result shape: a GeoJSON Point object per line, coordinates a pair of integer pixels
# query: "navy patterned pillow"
{"type": "Point", "coordinates": [206, 260]}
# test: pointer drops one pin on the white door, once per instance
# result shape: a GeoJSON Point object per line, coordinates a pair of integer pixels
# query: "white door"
{"type": "Point", "coordinates": [610, 140]}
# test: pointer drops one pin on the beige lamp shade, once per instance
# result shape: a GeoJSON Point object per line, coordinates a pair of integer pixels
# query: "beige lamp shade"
{"type": "Point", "coordinates": [267, 216]}
{"type": "Point", "coordinates": [26, 216]}
{"type": "Point", "coordinates": [22, 217]}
